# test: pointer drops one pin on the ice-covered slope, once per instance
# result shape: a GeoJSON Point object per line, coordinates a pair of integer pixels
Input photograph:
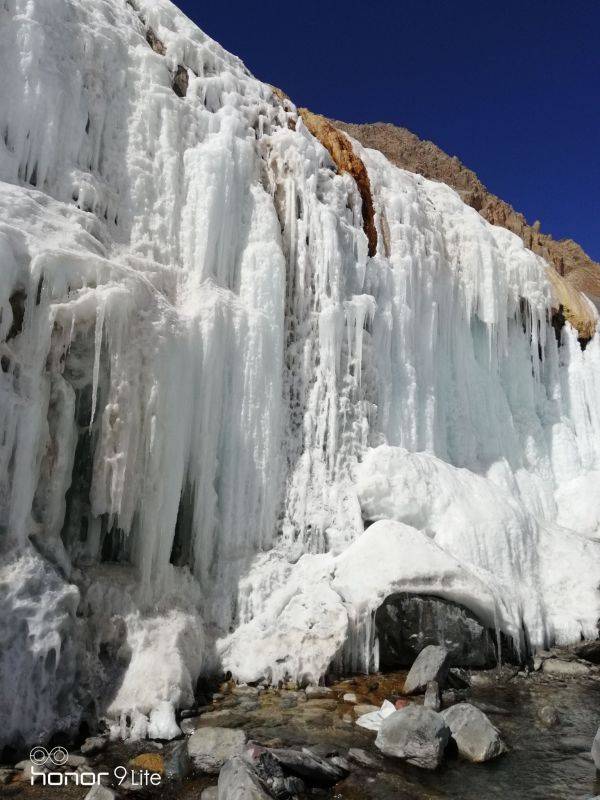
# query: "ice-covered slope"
{"type": "Point", "coordinates": [208, 385]}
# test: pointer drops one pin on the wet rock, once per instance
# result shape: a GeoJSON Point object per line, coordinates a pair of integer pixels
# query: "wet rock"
{"type": "Point", "coordinates": [406, 624]}
{"type": "Point", "coordinates": [321, 750]}
{"type": "Point", "coordinates": [6, 776]}
{"type": "Point", "coordinates": [210, 748]}
{"type": "Point", "coordinates": [596, 750]}
{"type": "Point", "coordinates": [364, 758]}
{"type": "Point", "coordinates": [415, 734]}
{"type": "Point", "coordinates": [288, 701]}
{"type": "Point", "coordinates": [95, 744]}
{"type": "Point", "coordinates": [549, 716]}
{"type": "Point", "coordinates": [458, 678]}
{"type": "Point", "coordinates": [177, 763]}
{"type": "Point", "coordinates": [342, 763]}
{"type": "Point", "coordinates": [590, 651]}
{"type": "Point", "coordinates": [294, 785]}
{"type": "Point", "coordinates": [433, 698]}
{"type": "Point", "coordinates": [565, 669]}
{"type": "Point", "coordinates": [318, 692]}
{"type": "Point", "coordinates": [311, 768]}
{"type": "Point", "coordinates": [475, 736]}
{"type": "Point", "coordinates": [431, 665]}
{"type": "Point", "coordinates": [100, 793]}
{"type": "Point", "coordinates": [238, 781]}
{"type": "Point", "coordinates": [243, 690]}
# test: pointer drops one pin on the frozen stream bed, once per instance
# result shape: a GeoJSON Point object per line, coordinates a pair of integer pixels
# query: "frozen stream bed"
{"type": "Point", "coordinates": [545, 763]}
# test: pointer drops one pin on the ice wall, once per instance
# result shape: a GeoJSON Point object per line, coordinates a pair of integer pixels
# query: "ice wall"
{"type": "Point", "coordinates": [207, 386]}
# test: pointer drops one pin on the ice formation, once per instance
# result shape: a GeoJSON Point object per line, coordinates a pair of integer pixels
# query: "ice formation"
{"type": "Point", "coordinates": [208, 388]}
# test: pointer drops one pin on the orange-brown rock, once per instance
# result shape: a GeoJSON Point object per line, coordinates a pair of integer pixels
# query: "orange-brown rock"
{"type": "Point", "coordinates": [153, 762]}
{"type": "Point", "coordinates": [409, 152]}
{"type": "Point", "coordinates": [342, 153]}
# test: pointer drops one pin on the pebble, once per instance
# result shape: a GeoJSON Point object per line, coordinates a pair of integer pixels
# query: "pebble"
{"type": "Point", "coordinates": [549, 716]}
{"type": "Point", "coordinates": [350, 697]}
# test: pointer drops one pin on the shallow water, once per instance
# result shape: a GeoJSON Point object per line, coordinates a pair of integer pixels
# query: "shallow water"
{"type": "Point", "coordinates": [542, 763]}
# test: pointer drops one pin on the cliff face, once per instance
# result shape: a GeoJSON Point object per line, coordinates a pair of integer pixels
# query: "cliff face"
{"type": "Point", "coordinates": [407, 151]}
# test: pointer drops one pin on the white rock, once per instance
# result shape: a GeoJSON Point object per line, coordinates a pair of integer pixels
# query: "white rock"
{"type": "Point", "coordinates": [209, 748]}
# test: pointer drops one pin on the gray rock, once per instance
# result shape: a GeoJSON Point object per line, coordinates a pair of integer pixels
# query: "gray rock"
{"type": "Point", "coordinates": [320, 750]}
{"type": "Point", "coordinates": [210, 748]}
{"type": "Point", "coordinates": [475, 736]}
{"type": "Point", "coordinates": [189, 725]}
{"type": "Point", "coordinates": [364, 758]}
{"type": "Point", "coordinates": [100, 793]}
{"type": "Point", "coordinates": [458, 678]}
{"type": "Point", "coordinates": [95, 744]}
{"type": "Point", "coordinates": [210, 793]}
{"type": "Point", "coordinates": [549, 716]}
{"type": "Point", "coordinates": [350, 697]}
{"type": "Point", "coordinates": [309, 767]}
{"type": "Point", "coordinates": [590, 651]}
{"type": "Point", "coordinates": [77, 761]}
{"type": "Point", "coordinates": [177, 762]}
{"type": "Point", "coordinates": [364, 708]}
{"type": "Point", "coordinates": [565, 669]}
{"type": "Point", "coordinates": [431, 665]}
{"type": "Point", "coordinates": [596, 750]}
{"type": "Point", "coordinates": [407, 623]}
{"type": "Point", "coordinates": [293, 785]}
{"type": "Point", "coordinates": [432, 699]}
{"type": "Point", "coordinates": [318, 692]}
{"type": "Point", "coordinates": [342, 763]}
{"type": "Point", "coordinates": [238, 781]}
{"type": "Point", "coordinates": [415, 734]}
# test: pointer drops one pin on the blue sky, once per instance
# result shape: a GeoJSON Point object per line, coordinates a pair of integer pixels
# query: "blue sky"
{"type": "Point", "coordinates": [511, 88]}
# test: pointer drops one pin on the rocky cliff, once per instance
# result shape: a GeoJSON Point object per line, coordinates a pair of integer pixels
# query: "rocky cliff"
{"type": "Point", "coordinates": [407, 151]}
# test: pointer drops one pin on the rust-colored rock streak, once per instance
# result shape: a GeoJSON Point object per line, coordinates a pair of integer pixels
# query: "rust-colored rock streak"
{"type": "Point", "coordinates": [340, 149]}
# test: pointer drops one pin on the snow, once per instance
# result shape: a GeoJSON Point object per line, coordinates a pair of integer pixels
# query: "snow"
{"type": "Point", "coordinates": [213, 388]}
{"type": "Point", "coordinates": [372, 721]}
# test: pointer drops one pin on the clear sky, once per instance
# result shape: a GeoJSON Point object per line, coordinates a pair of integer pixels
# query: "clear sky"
{"type": "Point", "coordinates": [512, 88]}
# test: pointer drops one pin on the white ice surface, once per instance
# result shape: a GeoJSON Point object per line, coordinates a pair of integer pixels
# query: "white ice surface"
{"type": "Point", "coordinates": [213, 385]}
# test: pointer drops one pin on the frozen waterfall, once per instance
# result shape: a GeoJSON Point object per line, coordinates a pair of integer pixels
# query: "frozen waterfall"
{"type": "Point", "coordinates": [208, 386]}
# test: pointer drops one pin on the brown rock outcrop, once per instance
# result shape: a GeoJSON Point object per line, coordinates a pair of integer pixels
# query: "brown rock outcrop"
{"type": "Point", "coordinates": [574, 271]}
{"type": "Point", "coordinates": [340, 149]}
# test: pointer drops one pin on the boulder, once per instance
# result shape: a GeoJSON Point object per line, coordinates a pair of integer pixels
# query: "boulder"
{"type": "Point", "coordinates": [596, 750]}
{"type": "Point", "coordinates": [238, 781]}
{"type": "Point", "coordinates": [431, 665]}
{"type": "Point", "coordinates": [590, 651]}
{"type": "Point", "coordinates": [415, 734]}
{"type": "Point", "coordinates": [210, 793]}
{"type": "Point", "coordinates": [407, 623]}
{"type": "Point", "coordinates": [475, 736]}
{"type": "Point", "coordinates": [210, 748]}
{"type": "Point", "coordinates": [433, 698]}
